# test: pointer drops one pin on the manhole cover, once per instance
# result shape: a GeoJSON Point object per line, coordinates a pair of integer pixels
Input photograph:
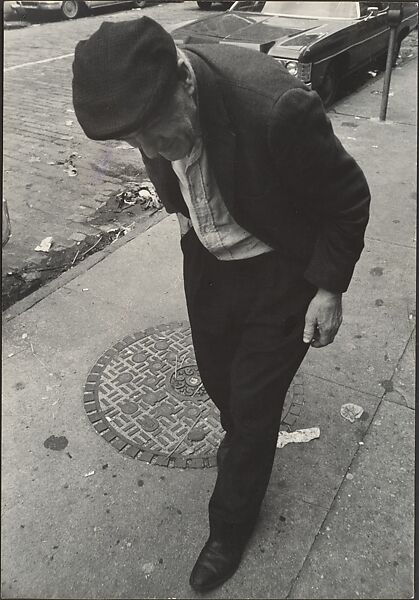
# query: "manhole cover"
{"type": "Point", "coordinates": [145, 396]}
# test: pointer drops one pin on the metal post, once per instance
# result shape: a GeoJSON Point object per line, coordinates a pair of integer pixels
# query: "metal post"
{"type": "Point", "coordinates": [387, 74]}
{"type": "Point", "coordinates": [394, 17]}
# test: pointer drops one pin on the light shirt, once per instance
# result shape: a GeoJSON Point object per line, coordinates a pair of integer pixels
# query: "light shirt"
{"type": "Point", "coordinates": [213, 224]}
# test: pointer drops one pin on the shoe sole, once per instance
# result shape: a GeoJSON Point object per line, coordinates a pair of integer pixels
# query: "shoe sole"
{"type": "Point", "coordinates": [208, 588]}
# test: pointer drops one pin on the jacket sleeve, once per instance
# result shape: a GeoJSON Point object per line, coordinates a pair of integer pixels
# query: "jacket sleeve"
{"type": "Point", "coordinates": [324, 183]}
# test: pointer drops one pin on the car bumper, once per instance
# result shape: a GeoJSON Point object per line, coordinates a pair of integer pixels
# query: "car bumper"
{"type": "Point", "coordinates": [22, 7]}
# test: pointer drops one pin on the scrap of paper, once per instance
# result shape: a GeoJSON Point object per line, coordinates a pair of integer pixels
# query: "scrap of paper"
{"type": "Point", "coordinates": [350, 412]}
{"type": "Point", "coordinates": [298, 436]}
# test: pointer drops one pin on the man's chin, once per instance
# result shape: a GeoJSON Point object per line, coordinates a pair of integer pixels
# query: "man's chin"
{"type": "Point", "coordinates": [172, 156]}
{"type": "Point", "coordinates": [176, 152]}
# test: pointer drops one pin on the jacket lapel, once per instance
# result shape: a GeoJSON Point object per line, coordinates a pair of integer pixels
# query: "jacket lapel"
{"type": "Point", "coordinates": [218, 137]}
{"type": "Point", "coordinates": [166, 183]}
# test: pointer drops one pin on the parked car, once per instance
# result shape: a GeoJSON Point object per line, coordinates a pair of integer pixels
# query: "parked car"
{"type": "Point", "coordinates": [70, 9]}
{"type": "Point", "coordinates": [319, 42]}
{"type": "Point", "coordinates": [207, 5]}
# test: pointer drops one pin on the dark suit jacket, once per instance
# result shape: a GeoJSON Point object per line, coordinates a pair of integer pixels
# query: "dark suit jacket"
{"type": "Point", "coordinates": [283, 174]}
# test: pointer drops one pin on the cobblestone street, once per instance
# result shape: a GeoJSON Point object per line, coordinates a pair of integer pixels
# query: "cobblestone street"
{"type": "Point", "coordinates": [42, 141]}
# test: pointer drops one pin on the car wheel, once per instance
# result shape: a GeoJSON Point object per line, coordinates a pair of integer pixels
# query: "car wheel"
{"type": "Point", "coordinates": [71, 9]}
{"type": "Point", "coordinates": [204, 5]}
{"type": "Point", "coordinates": [328, 87]}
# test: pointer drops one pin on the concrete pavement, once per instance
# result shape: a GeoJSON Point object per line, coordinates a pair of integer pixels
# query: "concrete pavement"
{"type": "Point", "coordinates": [86, 521]}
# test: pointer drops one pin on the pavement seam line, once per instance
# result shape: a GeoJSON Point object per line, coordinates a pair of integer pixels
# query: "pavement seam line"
{"type": "Point", "coordinates": [394, 373]}
{"type": "Point", "coordinates": [38, 62]}
{"type": "Point", "coordinates": [60, 282]}
{"type": "Point", "coordinates": [346, 387]}
{"type": "Point", "coordinates": [390, 243]}
{"type": "Point", "coordinates": [382, 399]}
{"type": "Point", "coordinates": [314, 504]}
{"type": "Point", "coordinates": [334, 500]}
{"type": "Point", "coordinates": [373, 119]}
{"type": "Point", "coordinates": [49, 288]}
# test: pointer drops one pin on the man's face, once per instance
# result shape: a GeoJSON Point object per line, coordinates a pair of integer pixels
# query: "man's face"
{"type": "Point", "coordinates": [173, 132]}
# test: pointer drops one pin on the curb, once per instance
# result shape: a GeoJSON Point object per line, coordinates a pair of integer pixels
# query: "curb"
{"type": "Point", "coordinates": [15, 24]}
{"type": "Point", "coordinates": [52, 286]}
{"type": "Point", "coordinates": [36, 271]}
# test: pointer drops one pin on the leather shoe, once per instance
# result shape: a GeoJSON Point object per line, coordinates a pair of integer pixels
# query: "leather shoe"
{"type": "Point", "coordinates": [216, 563]}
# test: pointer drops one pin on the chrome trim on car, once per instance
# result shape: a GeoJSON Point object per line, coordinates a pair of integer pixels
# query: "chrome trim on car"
{"type": "Point", "coordinates": [317, 62]}
{"type": "Point", "coordinates": [303, 69]}
{"type": "Point", "coordinates": [46, 4]}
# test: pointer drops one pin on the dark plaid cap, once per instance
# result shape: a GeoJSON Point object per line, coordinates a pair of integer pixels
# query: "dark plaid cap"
{"type": "Point", "coordinates": [122, 76]}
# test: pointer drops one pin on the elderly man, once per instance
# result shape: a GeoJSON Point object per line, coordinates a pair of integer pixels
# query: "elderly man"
{"type": "Point", "coordinates": [272, 212]}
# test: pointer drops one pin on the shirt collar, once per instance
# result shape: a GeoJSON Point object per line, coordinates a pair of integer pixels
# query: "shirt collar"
{"type": "Point", "coordinates": [196, 151]}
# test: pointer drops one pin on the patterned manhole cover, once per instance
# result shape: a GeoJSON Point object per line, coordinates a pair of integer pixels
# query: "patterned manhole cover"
{"type": "Point", "coordinates": [145, 397]}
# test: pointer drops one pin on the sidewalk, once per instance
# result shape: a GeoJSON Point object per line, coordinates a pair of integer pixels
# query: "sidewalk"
{"type": "Point", "coordinates": [83, 519]}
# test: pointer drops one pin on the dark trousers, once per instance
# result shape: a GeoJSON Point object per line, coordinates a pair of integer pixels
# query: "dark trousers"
{"type": "Point", "coordinates": [247, 321]}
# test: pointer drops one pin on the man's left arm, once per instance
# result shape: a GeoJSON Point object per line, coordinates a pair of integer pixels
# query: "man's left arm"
{"type": "Point", "coordinates": [327, 185]}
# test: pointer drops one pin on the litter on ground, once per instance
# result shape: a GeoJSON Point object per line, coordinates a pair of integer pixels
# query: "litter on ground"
{"type": "Point", "coordinates": [45, 245]}
{"type": "Point", "coordinates": [300, 435]}
{"type": "Point", "coordinates": [147, 568]}
{"type": "Point", "coordinates": [71, 170]}
{"type": "Point", "coordinates": [350, 411]}
{"type": "Point", "coordinates": [142, 193]}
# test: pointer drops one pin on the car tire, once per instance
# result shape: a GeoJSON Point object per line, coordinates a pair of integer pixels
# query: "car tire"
{"type": "Point", "coordinates": [71, 9]}
{"type": "Point", "coordinates": [328, 87]}
{"type": "Point", "coordinates": [204, 5]}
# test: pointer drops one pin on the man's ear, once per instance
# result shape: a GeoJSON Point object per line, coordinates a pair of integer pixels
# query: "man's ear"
{"type": "Point", "coordinates": [185, 76]}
